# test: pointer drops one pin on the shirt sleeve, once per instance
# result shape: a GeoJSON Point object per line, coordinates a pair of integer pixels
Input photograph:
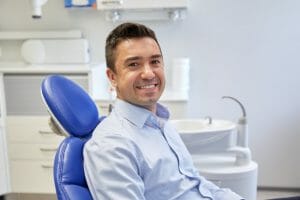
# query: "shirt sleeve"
{"type": "Point", "coordinates": [112, 169]}
{"type": "Point", "coordinates": [217, 192]}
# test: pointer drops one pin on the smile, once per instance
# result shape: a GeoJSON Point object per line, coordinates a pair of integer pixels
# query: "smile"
{"type": "Point", "coordinates": [147, 86]}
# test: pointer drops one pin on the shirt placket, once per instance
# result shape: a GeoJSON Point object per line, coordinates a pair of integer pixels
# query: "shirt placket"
{"type": "Point", "coordinates": [158, 123]}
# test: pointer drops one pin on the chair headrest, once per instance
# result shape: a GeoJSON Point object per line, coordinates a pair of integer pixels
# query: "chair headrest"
{"type": "Point", "coordinates": [70, 105]}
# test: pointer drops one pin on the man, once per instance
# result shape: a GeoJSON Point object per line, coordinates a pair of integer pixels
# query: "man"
{"type": "Point", "coordinates": [135, 154]}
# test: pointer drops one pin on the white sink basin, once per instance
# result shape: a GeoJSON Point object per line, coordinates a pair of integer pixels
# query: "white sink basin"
{"type": "Point", "coordinates": [199, 126]}
{"type": "Point", "coordinates": [200, 136]}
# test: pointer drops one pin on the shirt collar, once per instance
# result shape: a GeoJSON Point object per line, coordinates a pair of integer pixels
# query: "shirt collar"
{"type": "Point", "coordinates": [139, 115]}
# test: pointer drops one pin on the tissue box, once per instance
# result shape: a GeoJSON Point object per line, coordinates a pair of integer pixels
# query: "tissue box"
{"type": "Point", "coordinates": [80, 3]}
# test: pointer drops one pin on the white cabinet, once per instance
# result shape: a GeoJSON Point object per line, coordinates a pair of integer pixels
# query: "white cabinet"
{"type": "Point", "coordinates": [31, 146]}
{"type": "Point", "coordinates": [27, 146]}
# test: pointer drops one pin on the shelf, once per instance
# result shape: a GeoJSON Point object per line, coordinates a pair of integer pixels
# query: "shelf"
{"type": "Point", "coordinates": [23, 68]}
{"type": "Point", "coordinates": [23, 35]}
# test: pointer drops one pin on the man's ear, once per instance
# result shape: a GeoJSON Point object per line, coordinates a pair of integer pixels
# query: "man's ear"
{"type": "Point", "coordinates": [111, 75]}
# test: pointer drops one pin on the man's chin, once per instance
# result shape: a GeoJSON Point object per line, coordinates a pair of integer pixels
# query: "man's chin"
{"type": "Point", "coordinates": [148, 101]}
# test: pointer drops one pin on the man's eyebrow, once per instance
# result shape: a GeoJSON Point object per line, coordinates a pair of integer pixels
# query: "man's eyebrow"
{"type": "Point", "coordinates": [133, 58]}
{"type": "Point", "coordinates": [156, 56]}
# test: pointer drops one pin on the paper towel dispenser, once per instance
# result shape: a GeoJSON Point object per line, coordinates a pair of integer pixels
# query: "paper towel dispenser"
{"type": "Point", "coordinates": [143, 10]}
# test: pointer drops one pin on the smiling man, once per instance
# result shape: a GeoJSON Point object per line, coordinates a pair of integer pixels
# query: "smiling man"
{"type": "Point", "coordinates": [134, 153]}
{"type": "Point", "coordinates": [138, 73]}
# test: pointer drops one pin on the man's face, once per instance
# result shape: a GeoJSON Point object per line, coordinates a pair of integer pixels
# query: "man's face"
{"type": "Point", "coordinates": [139, 72]}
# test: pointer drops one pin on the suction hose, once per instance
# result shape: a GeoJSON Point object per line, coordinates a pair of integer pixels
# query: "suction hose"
{"type": "Point", "coordinates": [242, 150]}
{"type": "Point", "coordinates": [240, 104]}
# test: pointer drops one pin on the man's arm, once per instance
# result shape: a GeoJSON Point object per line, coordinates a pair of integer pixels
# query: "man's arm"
{"type": "Point", "coordinates": [217, 192]}
{"type": "Point", "coordinates": [112, 169]}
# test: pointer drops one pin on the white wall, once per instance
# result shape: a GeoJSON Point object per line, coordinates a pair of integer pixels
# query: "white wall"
{"type": "Point", "coordinates": [246, 49]}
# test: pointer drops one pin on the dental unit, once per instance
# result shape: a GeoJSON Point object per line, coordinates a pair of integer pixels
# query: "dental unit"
{"type": "Point", "coordinates": [220, 151]}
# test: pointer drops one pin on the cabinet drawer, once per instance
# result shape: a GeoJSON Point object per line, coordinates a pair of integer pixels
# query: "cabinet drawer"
{"type": "Point", "coordinates": [32, 151]}
{"type": "Point", "coordinates": [32, 177]}
{"type": "Point", "coordinates": [31, 130]}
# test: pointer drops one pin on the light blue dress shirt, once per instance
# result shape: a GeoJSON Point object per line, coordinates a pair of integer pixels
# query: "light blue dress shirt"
{"type": "Point", "coordinates": [136, 155]}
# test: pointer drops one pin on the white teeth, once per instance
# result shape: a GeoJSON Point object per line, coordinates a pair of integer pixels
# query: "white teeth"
{"type": "Point", "coordinates": [147, 86]}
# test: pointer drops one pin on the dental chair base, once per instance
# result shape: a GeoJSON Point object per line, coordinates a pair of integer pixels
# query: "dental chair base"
{"type": "Point", "coordinates": [224, 172]}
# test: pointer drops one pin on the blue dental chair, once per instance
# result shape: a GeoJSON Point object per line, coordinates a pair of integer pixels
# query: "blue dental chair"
{"type": "Point", "coordinates": [75, 114]}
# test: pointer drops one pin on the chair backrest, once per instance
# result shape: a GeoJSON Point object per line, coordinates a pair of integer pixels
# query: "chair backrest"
{"type": "Point", "coordinates": [77, 115]}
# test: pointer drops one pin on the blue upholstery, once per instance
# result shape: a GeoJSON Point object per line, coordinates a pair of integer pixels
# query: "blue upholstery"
{"type": "Point", "coordinates": [70, 105]}
{"type": "Point", "coordinates": [76, 113]}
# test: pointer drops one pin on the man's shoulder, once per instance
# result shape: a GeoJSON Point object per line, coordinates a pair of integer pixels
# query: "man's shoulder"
{"type": "Point", "coordinates": [110, 124]}
{"type": "Point", "coordinates": [110, 135]}
{"type": "Point", "coordinates": [113, 125]}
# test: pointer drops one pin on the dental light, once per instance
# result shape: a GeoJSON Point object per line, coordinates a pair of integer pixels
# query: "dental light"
{"type": "Point", "coordinates": [37, 8]}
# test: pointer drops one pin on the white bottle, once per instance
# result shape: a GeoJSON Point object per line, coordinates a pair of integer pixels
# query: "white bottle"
{"type": "Point", "coordinates": [180, 74]}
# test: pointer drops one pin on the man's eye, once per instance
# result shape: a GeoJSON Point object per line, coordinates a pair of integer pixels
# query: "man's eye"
{"type": "Point", "coordinates": [134, 64]}
{"type": "Point", "coordinates": [155, 62]}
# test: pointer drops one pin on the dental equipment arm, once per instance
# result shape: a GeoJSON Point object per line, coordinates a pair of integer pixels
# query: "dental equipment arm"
{"type": "Point", "coordinates": [243, 153]}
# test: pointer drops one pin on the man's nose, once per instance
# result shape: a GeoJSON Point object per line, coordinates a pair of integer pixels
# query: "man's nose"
{"type": "Point", "coordinates": [147, 72]}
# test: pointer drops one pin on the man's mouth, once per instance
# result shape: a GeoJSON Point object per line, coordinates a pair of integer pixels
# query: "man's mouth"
{"type": "Point", "coordinates": [150, 86]}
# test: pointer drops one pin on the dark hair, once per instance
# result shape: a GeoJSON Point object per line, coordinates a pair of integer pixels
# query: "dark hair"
{"type": "Point", "coordinates": [123, 32]}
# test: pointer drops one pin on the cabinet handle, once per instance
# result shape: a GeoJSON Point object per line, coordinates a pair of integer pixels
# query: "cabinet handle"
{"type": "Point", "coordinates": [48, 149]}
{"type": "Point", "coordinates": [46, 132]}
{"type": "Point", "coordinates": [112, 2]}
{"type": "Point", "coordinates": [47, 166]}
